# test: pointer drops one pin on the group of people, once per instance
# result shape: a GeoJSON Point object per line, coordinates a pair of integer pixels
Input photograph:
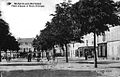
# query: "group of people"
{"type": "Point", "coordinates": [48, 57]}
{"type": "Point", "coordinates": [8, 58]}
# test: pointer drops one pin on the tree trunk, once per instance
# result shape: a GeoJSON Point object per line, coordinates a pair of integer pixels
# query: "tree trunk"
{"type": "Point", "coordinates": [66, 53]}
{"type": "Point", "coordinates": [63, 51]}
{"type": "Point", "coordinates": [6, 54]}
{"type": "Point", "coordinates": [42, 54]}
{"type": "Point", "coordinates": [39, 54]}
{"type": "Point", "coordinates": [17, 54]}
{"type": "Point", "coordinates": [0, 56]}
{"type": "Point", "coordinates": [95, 56]}
{"type": "Point", "coordinates": [54, 52]}
{"type": "Point", "coordinates": [10, 54]}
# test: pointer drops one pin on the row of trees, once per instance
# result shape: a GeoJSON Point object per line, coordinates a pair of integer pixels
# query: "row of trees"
{"type": "Point", "coordinates": [72, 21]}
{"type": "Point", "coordinates": [7, 41]}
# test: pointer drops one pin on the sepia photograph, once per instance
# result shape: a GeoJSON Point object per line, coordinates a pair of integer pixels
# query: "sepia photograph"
{"type": "Point", "coordinates": [59, 38]}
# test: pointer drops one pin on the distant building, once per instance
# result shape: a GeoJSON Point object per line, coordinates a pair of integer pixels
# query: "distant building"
{"type": "Point", "coordinates": [72, 47]}
{"type": "Point", "coordinates": [87, 46]}
{"type": "Point", "coordinates": [25, 46]}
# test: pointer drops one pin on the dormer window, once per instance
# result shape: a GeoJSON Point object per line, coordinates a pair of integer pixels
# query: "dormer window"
{"type": "Point", "coordinates": [26, 43]}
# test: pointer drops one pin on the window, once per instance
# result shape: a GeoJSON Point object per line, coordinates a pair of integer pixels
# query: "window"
{"type": "Point", "coordinates": [103, 53]}
{"type": "Point", "coordinates": [92, 42]}
{"type": "Point", "coordinates": [101, 50]}
{"type": "Point", "coordinates": [103, 39]}
{"type": "Point", "coordinates": [86, 42]}
{"type": "Point", "coordinates": [26, 49]}
{"type": "Point", "coordinates": [21, 49]}
{"type": "Point", "coordinates": [21, 43]}
{"type": "Point", "coordinates": [29, 49]}
{"type": "Point", "coordinates": [26, 43]}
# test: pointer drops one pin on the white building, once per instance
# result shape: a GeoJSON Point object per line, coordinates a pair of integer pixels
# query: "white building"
{"type": "Point", "coordinates": [76, 49]}
{"type": "Point", "coordinates": [25, 46]}
{"type": "Point", "coordinates": [109, 44]}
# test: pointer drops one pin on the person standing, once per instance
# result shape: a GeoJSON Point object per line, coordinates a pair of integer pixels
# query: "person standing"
{"type": "Point", "coordinates": [86, 55]}
{"type": "Point", "coordinates": [29, 56]}
{"type": "Point", "coordinates": [47, 55]}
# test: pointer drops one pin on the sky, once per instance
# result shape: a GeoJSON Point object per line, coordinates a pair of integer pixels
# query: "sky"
{"type": "Point", "coordinates": [26, 22]}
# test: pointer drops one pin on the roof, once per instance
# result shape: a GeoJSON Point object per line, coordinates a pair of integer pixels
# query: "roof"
{"type": "Point", "coordinates": [25, 40]}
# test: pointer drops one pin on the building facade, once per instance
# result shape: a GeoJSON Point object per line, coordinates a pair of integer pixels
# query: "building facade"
{"type": "Point", "coordinates": [109, 44]}
{"type": "Point", "coordinates": [79, 49]}
{"type": "Point", "coordinates": [87, 47]}
{"type": "Point", "coordinates": [25, 46]}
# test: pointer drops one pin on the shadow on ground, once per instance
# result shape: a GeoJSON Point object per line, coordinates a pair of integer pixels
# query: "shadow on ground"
{"type": "Point", "coordinates": [50, 73]}
{"type": "Point", "coordinates": [22, 64]}
{"type": "Point", "coordinates": [99, 62]}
